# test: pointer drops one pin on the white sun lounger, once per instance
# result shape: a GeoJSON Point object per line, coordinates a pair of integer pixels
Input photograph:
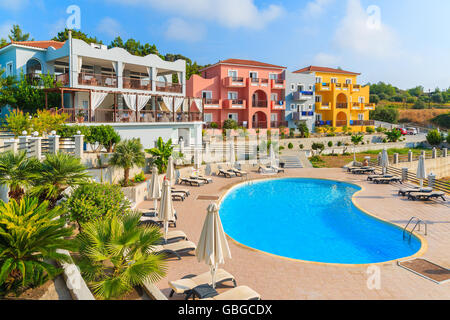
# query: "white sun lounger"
{"type": "Point", "coordinates": [238, 293]}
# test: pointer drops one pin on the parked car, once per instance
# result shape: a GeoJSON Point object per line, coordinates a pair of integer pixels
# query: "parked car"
{"type": "Point", "coordinates": [412, 131]}
{"type": "Point", "coordinates": [403, 131]}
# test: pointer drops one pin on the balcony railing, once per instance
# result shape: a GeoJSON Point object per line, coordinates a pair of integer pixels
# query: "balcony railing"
{"type": "Point", "coordinates": [341, 123]}
{"type": "Point", "coordinates": [63, 78]}
{"type": "Point", "coordinates": [362, 122]}
{"type": "Point", "coordinates": [139, 84]}
{"type": "Point", "coordinates": [277, 124]}
{"type": "Point", "coordinates": [259, 104]}
{"type": "Point", "coordinates": [211, 101]}
{"type": "Point", "coordinates": [341, 105]}
{"type": "Point", "coordinates": [259, 124]}
{"type": "Point", "coordinates": [168, 87]}
{"type": "Point", "coordinates": [98, 80]}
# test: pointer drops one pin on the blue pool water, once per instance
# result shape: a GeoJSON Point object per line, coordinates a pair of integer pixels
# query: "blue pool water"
{"type": "Point", "coordinates": [311, 220]}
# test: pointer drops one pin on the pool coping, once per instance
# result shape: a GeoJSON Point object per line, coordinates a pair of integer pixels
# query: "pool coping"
{"type": "Point", "coordinates": [419, 253]}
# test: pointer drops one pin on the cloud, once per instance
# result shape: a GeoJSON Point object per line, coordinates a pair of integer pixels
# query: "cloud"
{"type": "Point", "coordinates": [178, 29]}
{"type": "Point", "coordinates": [325, 59]}
{"type": "Point", "coordinates": [110, 27]}
{"type": "Point", "coordinates": [365, 34]}
{"type": "Point", "coordinates": [56, 27]}
{"type": "Point", "coordinates": [315, 8]}
{"type": "Point", "coordinates": [13, 5]}
{"type": "Point", "coordinates": [230, 13]}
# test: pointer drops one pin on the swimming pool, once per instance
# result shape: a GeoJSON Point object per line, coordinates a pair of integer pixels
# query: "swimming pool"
{"type": "Point", "coordinates": [310, 220]}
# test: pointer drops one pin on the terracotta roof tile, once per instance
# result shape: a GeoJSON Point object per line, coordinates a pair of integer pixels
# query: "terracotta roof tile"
{"type": "Point", "coordinates": [249, 63]}
{"type": "Point", "coordinates": [40, 44]}
{"type": "Point", "coordinates": [324, 69]}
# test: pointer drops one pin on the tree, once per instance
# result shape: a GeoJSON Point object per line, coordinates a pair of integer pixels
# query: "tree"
{"type": "Point", "coordinates": [76, 34]}
{"type": "Point", "coordinates": [116, 254]}
{"type": "Point", "coordinates": [318, 147]}
{"type": "Point", "coordinates": [419, 104]}
{"type": "Point", "coordinates": [16, 34]}
{"type": "Point", "coordinates": [7, 84]}
{"type": "Point", "coordinates": [105, 136]}
{"type": "Point", "coordinates": [434, 138]}
{"type": "Point", "coordinates": [128, 153]}
{"type": "Point", "coordinates": [442, 120]}
{"type": "Point", "coordinates": [356, 140]}
{"type": "Point", "coordinates": [30, 235]}
{"type": "Point", "coordinates": [161, 154]}
{"type": "Point", "coordinates": [303, 129]}
{"type": "Point", "coordinates": [393, 135]}
{"type": "Point", "coordinates": [95, 200]}
{"type": "Point", "coordinates": [18, 122]}
{"type": "Point", "coordinates": [18, 172]}
{"type": "Point", "coordinates": [229, 124]}
{"type": "Point", "coordinates": [56, 173]}
{"type": "Point", "coordinates": [386, 114]}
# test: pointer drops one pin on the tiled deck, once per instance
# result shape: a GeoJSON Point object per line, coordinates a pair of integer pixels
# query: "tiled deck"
{"type": "Point", "coordinates": [277, 278]}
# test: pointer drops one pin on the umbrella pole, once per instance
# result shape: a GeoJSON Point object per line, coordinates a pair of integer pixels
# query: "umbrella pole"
{"type": "Point", "coordinates": [166, 230]}
{"type": "Point", "coordinates": [155, 201]}
{"type": "Point", "coordinates": [213, 275]}
{"type": "Point", "coordinates": [421, 183]}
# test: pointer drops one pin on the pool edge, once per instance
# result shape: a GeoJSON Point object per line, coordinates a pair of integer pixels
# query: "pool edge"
{"type": "Point", "coordinates": [419, 253]}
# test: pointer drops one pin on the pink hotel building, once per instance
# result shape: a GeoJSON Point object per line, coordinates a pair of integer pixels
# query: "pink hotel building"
{"type": "Point", "coordinates": [251, 93]}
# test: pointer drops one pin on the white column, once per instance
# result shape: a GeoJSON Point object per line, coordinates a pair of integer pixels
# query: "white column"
{"type": "Point", "coordinates": [53, 143]}
{"type": "Point", "coordinates": [37, 147]}
{"type": "Point", "coordinates": [119, 73]}
{"type": "Point", "coordinates": [23, 141]}
{"type": "Point", "coordinates": [154, 75]}
{"type": "Point", "coordinates": [12, 145]}
{"type": "Point", "coordinates": [79, 145]}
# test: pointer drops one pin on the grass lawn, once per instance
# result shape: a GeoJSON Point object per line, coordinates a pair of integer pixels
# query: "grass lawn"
{"type": "Point", "coordinates": [338, 161]}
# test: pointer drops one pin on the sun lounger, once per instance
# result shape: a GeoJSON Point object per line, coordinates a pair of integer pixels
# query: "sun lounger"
{"type": "Point", "coordinates": [185, 191]}
{"type": "Point", "coordinates": [202, 178]}
{"type": "Point", "coordinates": [387, 180]}
{"type": "Point", "coordinates": [152, 217]}
{"type": "Point", "coordinates": [426, 195]}
{"type": "Point", "coordinates": [178, 196]}
{"type": "Point", "coordinates": [277, 169]}
{"type": "Point", "coordinates": [175, 248]}
{"type": "Point", "coordinates": [192, 182]}
{"type": "Point", "coordinates": [407, 191]}
{"type": "Point", "coordinates": [189, 282]}
{"type": "Point", "coordinates": [176, 235]}
{"type": "Point", "coordinates": [374, 176]}
{"type": "Point", "coordinates": [237, 293]}
{"type": "Point", "coordinates": [264, 169]}
{"type": "Point", "coordinates": [350, 169]}
{"type": "Point", "coordinates": [226, 174]}
{"type": "Point", "coordinates": [238, 172]}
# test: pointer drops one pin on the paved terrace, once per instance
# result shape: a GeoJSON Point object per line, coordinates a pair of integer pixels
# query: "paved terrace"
{"type": "Point", "coordinates": [278, 278]}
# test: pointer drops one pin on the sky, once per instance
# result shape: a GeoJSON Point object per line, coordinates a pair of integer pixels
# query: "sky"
{"type": "Point", "coordinates": [402, 42]}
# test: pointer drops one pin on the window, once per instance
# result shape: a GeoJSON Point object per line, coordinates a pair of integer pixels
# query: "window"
{"type": "Point", "coordinates": [208, 117]}
{"type": "Point", "coordinates": [348, 81]}
{"type": "Point", "coordinates": [300, 87]}
{"type": "Point", "coordinates": [207, 94]}
{"type": "Point", "coordinates": [310, 88]}
{"type": "Point", "coordinates": [333, 80]}
{"type": "Point", "coordinates": [318, 79]}
{"type": "Point", "coordinates": [299, 107]}
{"type": "Point", "coordinates": [9, 69]}
{"type": "Point", "coordinates": [273, 117]}
{"type": "Point", "coordinates": [232, 95]}
{"type": "Point", "coordinates": [273, 76]}
{"type": "Point", "coordinates": [292, 86]}
{"type": "Point", "coordinates": [361, 116]}
{"type": "Point", "coordinates": [310, 107]}
{"type": "Point", "coordinates": [253, 75]}
{"type": "Point", "coordinates": [318, 98]}
{"type": "Point", "coordinates": [318, 117]}
{"type": "Point", "coordinates": [293, 107]}
{"type": "Point", "coordinates": [85, 104]}
{"type": "Point", "coordinates": [233, 116]}
{"type": "Point", "coordinates": [361, 99]}
{"type": "Point", "coordinates": [274, 97]}
{"type": "Point", "coordinates": [233, 74]}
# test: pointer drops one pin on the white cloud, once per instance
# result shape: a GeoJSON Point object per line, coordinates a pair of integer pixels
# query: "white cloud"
{"type": "Point", "coordinates": [327, 60]}
{"type": "Point", "coordinates": [178, 29]}
{"type": "Point", "coordinates": [13, 5]}
{"type": "Point", "coordinates": [355, 33]}
{"type": "Point", "coordinates": [56, 27]}
{"type": "Point", "coordinates": [110, 27]}
{"type": "Point", "coordinates": [230, 13]}
{"type": "Point", "coordinates": [315, 8]}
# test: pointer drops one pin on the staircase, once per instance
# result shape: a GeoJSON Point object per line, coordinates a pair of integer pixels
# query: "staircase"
{"type": "Point", "coordinates": [291, 162]}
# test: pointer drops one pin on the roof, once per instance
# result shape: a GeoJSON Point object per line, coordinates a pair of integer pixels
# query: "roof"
{"type": "Point", "coordinates": [39, 44]}
{"type": "Point", "coordinates": [249, 63]}
{"type": "Point", "coordinates": [325, 69]}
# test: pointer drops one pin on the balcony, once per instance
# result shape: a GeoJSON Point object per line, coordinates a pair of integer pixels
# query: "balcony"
{"type": "Point", "coordinates": [341, 105]}
{"type": "Point", "coordinates": [369, 106]}
{"type": "Point", "coordinates": [303, 95]}
{"type": "Point", "coordinates": [277, 83]}
{"type": "Point", "coordinates": [233, 82]}
{"type": "Point", "coordinates": [139, 84]}
{"type": "Point", "coordinates": [278, 124]}
{"type": "Point", "coordinates": [323, 106]}
{"type": "Point", "coordinates": [212, 103]}
{"type": "Point", "coordinates": [277, 104]}
{"type": "Point", "coordinates": [356, 87]}
{"type": "Point", "coordinates": [234, 103]}
{"type": "Point", "coordinates": [259, 104]}
{"type": "Point", "coordinates": [97, 80]}
{"type": "Point", "coordinates": [63, 79]}
{"type": "Point", "coordinates": [356, 106]}
{"type": "Point", "coordinates": [323, 86]}
{"type": "Point", "coordinates": [362, 122]}
{"type": "Point", "coordinates": [168, 87]}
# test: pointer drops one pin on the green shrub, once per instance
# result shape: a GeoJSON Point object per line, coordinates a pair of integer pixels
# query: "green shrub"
{"type": "Point", "coordinates": [330, 144]}
{"type": "Point", "coordinates": [229, 124]}
{"type": "Point", "coordinates": [394, 135]}
{"type": "Point", "coordinates": [339, 143]}
{"type": "Point", "coordinates": [380, 129]}
{"type": "Point", "coordinates": [319, 147]}
{"type": "Point", "coordinates": [290, 145]}
{"type": "Point", "coordinates": [435, 138]}
{"type": "Point", "coordinates": [301, 146]}
{"type": "Point", "coordinates": [386, 114]}
{"type": "Point", "coordinates": [139, 177]}
{"type": "Point", "coordinates": [384, 140]}
{"type": "Point", "coordinates": [448, 137]}
{"type": "Point", "coordinates": [442, 120]}
{"type": "Point", "coordinates": [69, 131]}
{"type": "Point", "coordinates": [105, 136]}
{"type": "Point", "coordinates": [370, 130]}
{"type": "Point", "coordinates": [95, 200]}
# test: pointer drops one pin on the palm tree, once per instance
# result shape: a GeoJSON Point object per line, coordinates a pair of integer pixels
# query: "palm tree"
{"type": "Point", "coordinates": [128, 153]}
{"type": "Point", "coordinates": [30, 235]}
{"type": "Point", "coordinates": [115, 255]}
{"type": "Point", "coordinates": [161, 154]}
{"type": "Point", "coordinates": [17, 172]}
{"type": "Point", "coordinates": [356, 139]}
{"type": "Point", "coordinates": [57, 173]}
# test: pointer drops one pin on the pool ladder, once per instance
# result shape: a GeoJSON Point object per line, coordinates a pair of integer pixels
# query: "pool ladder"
{"type": "Point", "coordinates": [417, 224]}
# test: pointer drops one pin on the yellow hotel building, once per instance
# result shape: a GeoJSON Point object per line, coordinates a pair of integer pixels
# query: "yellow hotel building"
{"type": "Point", "coordinates": [340, 100]}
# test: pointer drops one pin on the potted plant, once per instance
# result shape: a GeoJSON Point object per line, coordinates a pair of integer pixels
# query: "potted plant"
{"type": "Point", "coordinates": [80, 116]}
